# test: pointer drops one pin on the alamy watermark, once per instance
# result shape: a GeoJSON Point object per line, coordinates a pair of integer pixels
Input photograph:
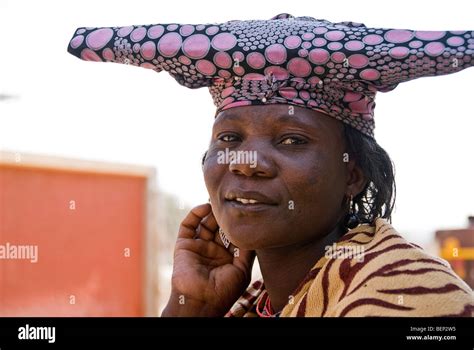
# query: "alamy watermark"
{"type": "Point", "coordinates": [21, 252]}
{"type": "Point", "coordinates": [344, 252]}
{"type": "Point", "coordinates": [237, 157]}
{"type": "Point", "coordinates": [37, 333]}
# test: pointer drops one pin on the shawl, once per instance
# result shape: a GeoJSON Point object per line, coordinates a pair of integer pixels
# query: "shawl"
{"type": "Point", "coordinates": [371, 271]}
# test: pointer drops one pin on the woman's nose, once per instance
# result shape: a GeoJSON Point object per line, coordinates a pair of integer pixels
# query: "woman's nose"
{"type": "Point", "coordinates": [252, 162]}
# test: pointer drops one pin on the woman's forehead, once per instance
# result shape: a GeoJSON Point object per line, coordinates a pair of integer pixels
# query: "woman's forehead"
{"type": "Point", "coordinates": [275, 115]}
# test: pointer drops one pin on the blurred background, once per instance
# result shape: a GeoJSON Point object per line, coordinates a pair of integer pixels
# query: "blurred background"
{"type": "Point", "coordinates": [99, 163]}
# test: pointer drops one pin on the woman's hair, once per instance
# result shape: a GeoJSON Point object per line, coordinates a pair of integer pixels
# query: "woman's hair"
{"type": "Point", "coordinates": [377, 199]}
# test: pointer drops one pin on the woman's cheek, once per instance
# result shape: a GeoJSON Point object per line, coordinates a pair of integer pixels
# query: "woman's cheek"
{"type": "Point", "coordinates": [213, 176]}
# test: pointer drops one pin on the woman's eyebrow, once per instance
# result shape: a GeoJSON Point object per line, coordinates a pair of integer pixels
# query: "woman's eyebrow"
{"type": "Point", "coordinates": [296, 121]}
{"type": "Point", "coordinates": [279, 120]}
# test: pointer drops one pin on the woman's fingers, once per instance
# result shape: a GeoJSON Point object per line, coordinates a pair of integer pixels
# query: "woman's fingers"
{"type": "Point", "coordinates": [201, 224]}
{"type": "Point", "coordinates": [191, 222]}
{"type": "Point", "coordinates": [206, 250]}
{"type": "Point", "coordinates": [207, 228]}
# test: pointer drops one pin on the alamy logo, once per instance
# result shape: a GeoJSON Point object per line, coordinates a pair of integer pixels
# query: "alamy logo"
{"type": "Point", "coordinates": [344, 252]}
{"type": "Point", "coordinates": [40, 333]}
{"type": "Point", "coordinates": [237, 157]}
{"type": "Point", "coordinates": [22, 252]}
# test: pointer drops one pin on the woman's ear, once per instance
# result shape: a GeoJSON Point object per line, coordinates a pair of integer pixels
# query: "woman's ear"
{"type": "Point", "coordinates": [203, 159]}
{"type": "Point", "coordinates": [356, 180]}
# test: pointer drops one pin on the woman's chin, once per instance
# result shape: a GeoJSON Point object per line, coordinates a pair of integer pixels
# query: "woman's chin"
{"type": "Point", "coordinates": [250, 238]}
{"type": "Point", "coordinates": [247, 240]}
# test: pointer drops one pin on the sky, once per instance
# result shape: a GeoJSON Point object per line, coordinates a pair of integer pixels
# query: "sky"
{"type": "Point", "coordinates": [109, 112]}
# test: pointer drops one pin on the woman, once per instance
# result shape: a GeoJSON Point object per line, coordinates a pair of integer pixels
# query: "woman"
{"type": "Point", "coordinates": [300, 160]}
{"type": "Point", "coordinates": [314, 204]}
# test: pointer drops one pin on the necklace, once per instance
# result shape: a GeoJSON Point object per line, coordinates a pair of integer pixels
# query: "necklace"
{"type": "Point", "coordinates": [267, 310]}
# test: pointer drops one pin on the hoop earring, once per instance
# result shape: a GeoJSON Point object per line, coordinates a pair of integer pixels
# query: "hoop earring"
{"type": "Point", "coordinates": [224, 238]}
{"type": "Point", "coordinates": [351, 220]}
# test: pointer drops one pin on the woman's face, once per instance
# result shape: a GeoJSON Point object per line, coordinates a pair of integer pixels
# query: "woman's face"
{"type": "Point", "coordinates": [276, 175]}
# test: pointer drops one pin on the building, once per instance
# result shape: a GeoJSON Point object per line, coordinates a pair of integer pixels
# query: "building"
{"type": "Point", "coordinates": [77, 238]}
{"type": "Point", "coordinates": [457, 247]}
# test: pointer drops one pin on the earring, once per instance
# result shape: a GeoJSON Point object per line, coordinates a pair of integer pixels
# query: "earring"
{"type": "Point", "coordinates": [351, 220]}
{"type": "Point", "coordinates": [224, 238]}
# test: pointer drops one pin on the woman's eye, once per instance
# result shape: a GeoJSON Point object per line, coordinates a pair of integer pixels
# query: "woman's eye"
{"type": "Point", "coordinates": [292, 141]}
{"type": "Point", "coordinates": [228, 138]}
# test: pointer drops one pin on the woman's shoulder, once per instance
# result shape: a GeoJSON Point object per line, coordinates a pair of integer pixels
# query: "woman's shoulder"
{"type": "Point", "coordinates": [393, 277]}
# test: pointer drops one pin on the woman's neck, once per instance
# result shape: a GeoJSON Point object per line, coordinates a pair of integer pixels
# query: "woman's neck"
{"type": "Point", "coordinates": [284, 268]}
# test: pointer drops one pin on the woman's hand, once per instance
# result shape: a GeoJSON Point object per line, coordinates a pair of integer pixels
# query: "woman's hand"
{"type": "Point", "coordinates": [207, 277]}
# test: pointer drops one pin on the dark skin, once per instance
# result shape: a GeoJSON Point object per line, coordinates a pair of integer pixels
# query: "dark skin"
{"type": "Point", "coordinates": [301, 185]}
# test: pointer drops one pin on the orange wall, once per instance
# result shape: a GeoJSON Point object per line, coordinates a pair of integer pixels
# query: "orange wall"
{"type": "Point", "coordinates": [81, 251]}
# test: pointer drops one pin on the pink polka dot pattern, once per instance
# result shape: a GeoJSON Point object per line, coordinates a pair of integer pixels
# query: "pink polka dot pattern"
{"type": "Point", "coordinates": [222, 60]}
{"type": "Point", "coordinates": [89, 55]}
{"type": "Point", "coordinates": [299, 67]}
{"type": "Point", "coordinates": [335, 68]}
{"type": "Point", "coordinates": [155, 31]}
{"type": "Point", "coordinates": [224, 41]}
{"type": "Point", "coordinates": [170, 44]}
{"type": "Point", "coordinates": [186, 30]}
{"type": "Point", "coordinates": [205, 67]}
{"type": "Point", "coordinates": [108, 54]}
{"type": "Point", "coordinates": [224, 74]}
{"type": "Point", "coordinates": [212, 30]}
{"type": "Point", "coordinates": [238, 56]}
{"type": "Point", "coordinates": [370, 74]}
{"type": "Point", "coordinates": [77, 41]}
{"type": "Point", "coordinates": [185, 60]}
{"type": "Point", "coordinates": [138, 34]}
{"type": "Point", "coordinates": [398, 36]}
{"type": "Point", "coordinates": [335, 46]}
{"type": "Point", "coordinates": [372, 39]}
{"type": "Point", "coordinates": [172, 27]}
{"type": "Point", "coordinates": [335, 35]}
{"type": "Point", "coordinates": [358, 61]}
{"type": "Point", "coordinates": [415, 44]}
{"type": "Point", "coordinates": [256, 60]}
{"type": "Point", "coordinates": [354, 45]}
{"type": "Point", "coordinates": [124, 31]}
{"type": "Point", "coordinates": [303, 53]}
{"type": "Point", "coordinates": [292, 42]}
{"type": "Point", "coordinates": [278, 72]}
{"type": "Point", "coordinates": [455, 41]}
{"type": "Point", "coordinates": [435, 48]}
{"type": "Point", "coordinates": [319, 42]}
{"type": "Point", "coordinates": [148, 50]}
{"type": "Point", "coordinates": [276, 54]}
{"type": "Point", "coordinates": [196, 46]}
{"type": "Point", "coordinates": [99, 38]}
{"type": "Point", "coordinates": [318, 56]}
{"type": "Point", "coordinates": [338, 57]}
{"type": "Point", "coordinates": [399, 52]}
{"type": "Point", "coordinates": [429, 35]}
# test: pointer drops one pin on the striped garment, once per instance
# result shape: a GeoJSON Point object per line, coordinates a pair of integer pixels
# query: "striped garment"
{"type": "Point", "coordinates": [371, 271]}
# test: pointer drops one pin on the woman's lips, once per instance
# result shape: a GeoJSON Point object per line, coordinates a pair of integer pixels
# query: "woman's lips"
{"type": "Point", "coordinates": [255, 207]}
{"type": "Point", "coordinates": [249, 201]}
{"type": "Point", "coordinates": [249, 197]}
